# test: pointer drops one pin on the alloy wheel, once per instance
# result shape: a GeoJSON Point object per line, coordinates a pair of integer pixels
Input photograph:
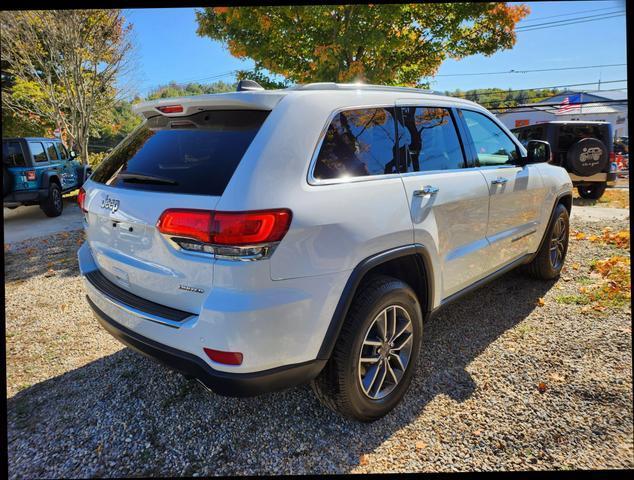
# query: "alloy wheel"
{"type": "Point", "coordinates": [558, 243]}
{"type": "Point", "coordinates": [386, 352]}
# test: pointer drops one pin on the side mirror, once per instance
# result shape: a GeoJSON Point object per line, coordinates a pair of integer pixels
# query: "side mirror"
{"type": "Point", "coordinates": [538, 152]}
{"type": "Point", "coordinates": [72, 154]}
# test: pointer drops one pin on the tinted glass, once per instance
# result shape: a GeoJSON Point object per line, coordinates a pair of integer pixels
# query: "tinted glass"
{"type": "Point", "coordinates": [12, 155]}
{"type": "Point", "coordinates": [493, 146]}
{"type": "Point", "coordinates": [50, 149]}
{"type": "Point", "coordinates": [37, 150]}
{"type": "Point", "coordinates": [572, 133]}
{"type": "Point", "coordinates": [428, 140]}
{"type": "Point", "coordinates": [63, 153]}
{"type": "Point", "coordinates": [358, 143]}
{"type": "Point", "coordinates": [196, 154]}
{"type": "Point", "coordinates": [524, 135]}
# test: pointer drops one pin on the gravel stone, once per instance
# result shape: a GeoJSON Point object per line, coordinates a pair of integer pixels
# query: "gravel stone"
{"type": "Point", "coordinates": [82, 405]}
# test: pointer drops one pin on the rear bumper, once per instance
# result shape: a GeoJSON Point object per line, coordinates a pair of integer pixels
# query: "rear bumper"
{"type": "Point", "coordinates": [223, 383]}
{"type": "Point", "coordinates": [610, 178]}
{"type": "Point", "coordinates": [25, 196]}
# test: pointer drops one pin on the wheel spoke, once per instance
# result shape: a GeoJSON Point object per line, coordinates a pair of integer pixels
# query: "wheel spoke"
{"type": "Point", "coordinates": [372, 343]}
{"type": "Point", "coordinates": [369, 359]}
{"type": "Point", "coordinates": [398, 359]}
{"type": "Point", "coordinates": [375, 369]}
{"type": "Point", "coordinates": [403, 343]}
{"type": "Point", "coordinates": [389, 368]}
{"type": "Point", "coordinates": [382, 378]}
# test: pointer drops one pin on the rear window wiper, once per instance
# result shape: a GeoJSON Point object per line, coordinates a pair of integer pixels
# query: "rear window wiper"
{"type": "Point", "coordinates": [143, 178]}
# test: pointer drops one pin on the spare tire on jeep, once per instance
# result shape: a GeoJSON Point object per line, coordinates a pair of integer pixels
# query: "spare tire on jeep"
{"type": "Point", "coordinates": [587, 157]}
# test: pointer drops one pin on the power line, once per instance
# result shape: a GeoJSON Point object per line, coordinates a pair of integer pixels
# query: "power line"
{"type": "Point", "coordinates": [570, 20]}
{"type": "Point", "coordinates": [594, 10]}
{"type": "Point", "coordinates": [532, 28]}
{"type": "Point", "coordinates": [530, 71]}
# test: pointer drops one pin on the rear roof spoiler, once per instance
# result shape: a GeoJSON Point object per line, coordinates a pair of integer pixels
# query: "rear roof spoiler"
{"type": "Point", "coordinates": [243, 100]}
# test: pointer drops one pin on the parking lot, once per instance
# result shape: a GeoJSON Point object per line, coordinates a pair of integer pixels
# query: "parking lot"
{"type": "Point", "coordinates": [518, 375]}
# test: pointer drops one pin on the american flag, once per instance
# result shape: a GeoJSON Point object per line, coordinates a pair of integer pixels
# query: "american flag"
{"type": "Point", "coordinates": [569, 103]}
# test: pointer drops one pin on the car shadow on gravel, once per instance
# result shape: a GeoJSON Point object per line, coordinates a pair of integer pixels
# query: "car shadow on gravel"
{"type": "Point", "coordinates": [126, 415]}
{"type": "Point", "coordinates": [52, 255]}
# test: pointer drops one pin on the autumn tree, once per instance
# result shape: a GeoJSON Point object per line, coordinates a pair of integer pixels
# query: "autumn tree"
{"type": "Point", "coordinates": [387, 44]}
{"type": "Point", "coordinates": [61, 67]}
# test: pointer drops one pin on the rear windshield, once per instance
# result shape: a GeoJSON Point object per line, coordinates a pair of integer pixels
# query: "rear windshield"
{"type": "Point", "coordinates": [572, 133]}
{"type": "Point", "coordinates": [196, 154]}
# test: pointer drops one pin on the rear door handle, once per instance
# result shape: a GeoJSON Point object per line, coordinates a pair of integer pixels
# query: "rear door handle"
{"type": "Point", "coordinates": [426, 190]}
{"type": "Point", "coordinates": [499, 181]}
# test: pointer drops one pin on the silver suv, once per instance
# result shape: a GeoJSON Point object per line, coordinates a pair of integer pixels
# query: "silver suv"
{"type": "Point", "coordinates": [262, 239]}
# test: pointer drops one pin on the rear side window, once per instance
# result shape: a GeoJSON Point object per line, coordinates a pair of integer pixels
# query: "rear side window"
{"type": "Point", "coordinates": [50, 149]}
{"type": "Point", "coordinates": [12, 155]}
{"type": "Point", "coordinates": [196, 154]}
{"type": "Point", "coordinates": [37, 150]}
{"type": "Point", "coordinates": [428, 140]}
{"type": "Point", "coordinates": [358, 143]}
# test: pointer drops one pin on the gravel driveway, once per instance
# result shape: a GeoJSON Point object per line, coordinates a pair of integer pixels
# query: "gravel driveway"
{"type": "Point", "coordinates": [510, 378]}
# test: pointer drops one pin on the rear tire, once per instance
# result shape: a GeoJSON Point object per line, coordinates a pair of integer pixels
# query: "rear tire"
{"type": "Point", "coordinates": [53, 205]}
{"type": "Point", "coordinates": [593, 191]}
{"type": "Point", "coordinates": [552, 254]}
{"type": "Point", "coordinates": [362, 380]}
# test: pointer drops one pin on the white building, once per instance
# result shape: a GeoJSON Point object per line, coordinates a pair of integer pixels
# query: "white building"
{"type": "Point", "coordinates": [591, 109]}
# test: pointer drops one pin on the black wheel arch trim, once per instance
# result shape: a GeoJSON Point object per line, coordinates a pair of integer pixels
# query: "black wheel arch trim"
{"type": "Point", "coordinates": [551, 220]}
{"type": "Point", "coordinates": [417, 251]}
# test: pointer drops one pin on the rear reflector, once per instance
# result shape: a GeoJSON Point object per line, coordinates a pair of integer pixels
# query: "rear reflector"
{"type": "Point", "coordinates": [81, 199]}
{"type": "Point", "coordinates": [228, 358]}
{"type": "Point", "coordinates": [170, 109]}
{"type": "Point", "coordinates": [226, 228]}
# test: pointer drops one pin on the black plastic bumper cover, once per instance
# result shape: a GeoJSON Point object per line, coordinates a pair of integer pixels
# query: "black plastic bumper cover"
{"type": "Point", "coordinates": [222, 383]}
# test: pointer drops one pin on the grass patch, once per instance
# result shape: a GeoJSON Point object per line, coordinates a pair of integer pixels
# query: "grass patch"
{"type": "Point", "coordinates": [578, 299]}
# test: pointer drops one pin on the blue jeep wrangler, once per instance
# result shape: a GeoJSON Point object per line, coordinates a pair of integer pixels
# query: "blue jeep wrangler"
{"type": "Point", "coordinates": [37, 171]}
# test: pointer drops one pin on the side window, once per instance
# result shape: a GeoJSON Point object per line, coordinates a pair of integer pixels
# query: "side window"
{"type": "Point", "coordinates": [358, 143]}
{"type": "Point", "coordinates": [37, 150]}
{"type": "Point", "coordinates": [428, 140]}
{"type": "Point", "coordinates": [13, 155]}
{"type": "Point", "coordinates": [63, 153]}
{"type": "Point", "coordinates": [493, 146]}
{"type": "Point", "coordinates": [50, 149]}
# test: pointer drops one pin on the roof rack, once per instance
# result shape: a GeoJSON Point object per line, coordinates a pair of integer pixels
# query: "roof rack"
{"type": "Point", "coordinates": [359, 86]}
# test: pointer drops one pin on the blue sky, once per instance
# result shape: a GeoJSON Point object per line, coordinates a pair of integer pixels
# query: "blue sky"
{"type": "Point", "coordinates": [167, 48]}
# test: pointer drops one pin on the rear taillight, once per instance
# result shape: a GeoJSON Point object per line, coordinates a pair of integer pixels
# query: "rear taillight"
{"type": "Point", "coordinates": [230, 235]}
{"type": "Point", "coordinates": [170, 109]}
{"type": "Point", "coordinates": [228, 358]}
{"type": "Point", "coordinates": [612, 157]}
{"type": "Point", "coordinates": [250, 228]}
{"type": "Point", "coordinates": [30, 175]}
{"type": "Point", "coordinates": [81, 199]}
{"type": "Point", "coordinates": [194, 224]}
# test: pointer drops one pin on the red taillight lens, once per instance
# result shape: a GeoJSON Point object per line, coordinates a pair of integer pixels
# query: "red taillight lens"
{"type": "Point", "coordinates": [226, 228]}
{"type": "Point", "coordinates": [228, 358]}
{"type": "Point", "coordinates": [170, 109]}
{"type": "Point", "coordinates": [30, 175]}
{"type": "Point", "coordinates": [612, 157]}
{"type": "Point", "coordinates": [187, 223]}
{"type": "Point", "coordinates": [250, 228]}
{"type": "Point", "coordinates": [81, 199]}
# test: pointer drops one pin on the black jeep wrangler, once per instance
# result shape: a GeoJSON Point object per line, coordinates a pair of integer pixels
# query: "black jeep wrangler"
{"type": "Point", "coordinates": [585, 149]}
